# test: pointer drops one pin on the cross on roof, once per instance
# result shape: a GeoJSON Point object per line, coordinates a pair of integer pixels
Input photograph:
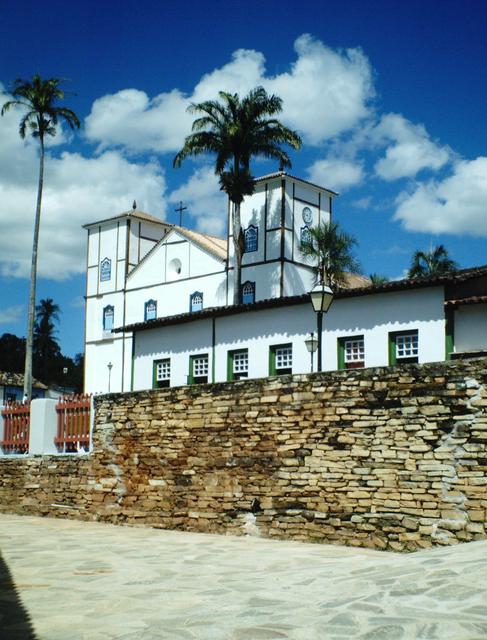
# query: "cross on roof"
{"type": "Point", "coordinates": [180, 210]}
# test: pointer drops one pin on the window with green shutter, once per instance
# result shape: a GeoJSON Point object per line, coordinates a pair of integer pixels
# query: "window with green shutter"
{"type": "Point", "coordinates": [351, 352]}
{"type": "Point", "coordinates": [238, 364]}
{"type": "Point", "coordinates": [198, 369]}
{"type": "Point", "coordinates": [403, 346]}
{"type": "Point", "coordinates": [280, 359]}
{"type": "Point", "coordinates": [161, 376]}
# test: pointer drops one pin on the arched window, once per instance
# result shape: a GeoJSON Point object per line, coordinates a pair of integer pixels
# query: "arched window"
{"type": "Point", "coordinates": [108, 314]}
{"type": "Point", "coordinates": [305, 236]}
{"type": "Point", "coordinates": [251, 236]}
{"type": "Point", "coordinates": [248, 292]}
{"type": "Point", "coordinates": [150, 310]}
{"type": "Point", "coordinates": [196, 301]}
{"type": "Point", "coordinates": [105, 269]}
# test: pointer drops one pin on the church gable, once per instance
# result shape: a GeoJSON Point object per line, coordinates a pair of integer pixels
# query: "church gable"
{"type": "Point", "coordinates": [178, 256]}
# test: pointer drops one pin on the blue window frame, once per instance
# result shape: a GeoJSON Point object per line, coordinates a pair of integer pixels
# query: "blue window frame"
{"type": "Point", "coordinates": [196, 301]}
{"type": "Point", "coordinates": [150, 310]}
{"type": "Point", "coordinates": [108, 314]}
{"type": "Point", "coordinates": [105, 269]}
{"type": "Point", "coordinates": [305, 235]}
{"type": "Point", "coordinates": [251, 237]}
{"type": "Point", "coordinates": [248, 292]}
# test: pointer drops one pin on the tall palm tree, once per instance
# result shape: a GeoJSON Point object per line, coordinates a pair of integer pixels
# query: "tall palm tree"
{"type": "Point", "coordinates": [236, 129]}
{"type": "Point", "coordinates": [330, 248]}
{"type": "Point", "coordinates": [434, 262]}
{"type": "Point", "coordinates": [39, 98]}
{"type": "Point", "coordinates": [46, 346]}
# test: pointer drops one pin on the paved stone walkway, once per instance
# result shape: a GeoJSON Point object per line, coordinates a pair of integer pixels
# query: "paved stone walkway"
{"type": "Point", "coordinates": [67, 580]}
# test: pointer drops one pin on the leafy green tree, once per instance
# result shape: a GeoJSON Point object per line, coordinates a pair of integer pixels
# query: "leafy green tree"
{"type": "Point", "coordinates": [39, 99]}
{"type": "Point", "coordinates": [331, 251]}
{"type": "Point", "coordinates": [376, 279]}
{"type": "Point", "coordinates": [236, 129]}
{"type": "Point", "coordinates": [431, 263]}
{"type": "Point", "coordinates": [46, 347]}
{"type": "Point", "coordinates": [12, 353]}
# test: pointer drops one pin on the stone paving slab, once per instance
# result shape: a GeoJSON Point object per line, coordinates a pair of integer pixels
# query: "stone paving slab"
{"type": "Point", "coordinates": [69, 580]}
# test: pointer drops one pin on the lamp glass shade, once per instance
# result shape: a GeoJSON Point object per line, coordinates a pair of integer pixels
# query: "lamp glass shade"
{"type": "Point", "coordinates": [311, 343]}
{"type": "Point", "coordinates": [321, 297]}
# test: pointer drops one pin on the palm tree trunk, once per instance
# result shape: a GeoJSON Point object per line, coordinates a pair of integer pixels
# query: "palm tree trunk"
{"type": "Point", "coordinates": [237, 269]}
{"type": "Point", "coordinates": [33, 277]}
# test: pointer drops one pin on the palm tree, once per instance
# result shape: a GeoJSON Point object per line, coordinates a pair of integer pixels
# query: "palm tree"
{"type": "Point", "coordinates": [46, 347]}
{"type": "Point", "coordinates": [330, 248]}
{"type": "Point", "coordinates": [235, 130]}
{"type": "Point", "coordinates": [431, 263]}
{"type": "Point", "coordinates": [39, 98]}
{"type": "Point", "coordinates": [376, 279]}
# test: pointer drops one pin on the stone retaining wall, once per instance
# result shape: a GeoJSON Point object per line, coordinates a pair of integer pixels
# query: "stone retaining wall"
{"type": "Point", "coordinates": [391, 458]}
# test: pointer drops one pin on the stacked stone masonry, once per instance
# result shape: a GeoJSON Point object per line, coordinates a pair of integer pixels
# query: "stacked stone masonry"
{"type": "Point", "coordinates": [390, 458]}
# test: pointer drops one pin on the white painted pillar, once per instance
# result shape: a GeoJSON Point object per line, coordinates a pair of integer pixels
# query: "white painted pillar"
{"type": "Point", "coordinates": [43, 426]}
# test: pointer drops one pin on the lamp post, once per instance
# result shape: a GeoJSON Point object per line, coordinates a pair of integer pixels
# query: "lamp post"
{"type": "Point", "coordinates": [311, 344]}
{"type": "Point", "coordinates": [65, 373]}
{"type": "Point", "coordinates": [110, 366]}
{"type": "Point", "coordinates": [321, 298]}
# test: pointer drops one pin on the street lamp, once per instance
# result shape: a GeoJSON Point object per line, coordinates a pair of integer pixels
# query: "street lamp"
{"type": "Point", "coordinates": [110, 366]}
{"type": "Point", "coordinates": [65, 373]}
{"type": "Point", "coordinates": [321, 298]}
{"type": "Point", "coordinates": [311, 344]}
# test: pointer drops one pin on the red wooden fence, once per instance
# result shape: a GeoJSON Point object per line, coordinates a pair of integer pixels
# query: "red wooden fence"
{"type": "Point", "coordinates": [73, 423]}
{"type": "Point", "coordinates": [16, 427]}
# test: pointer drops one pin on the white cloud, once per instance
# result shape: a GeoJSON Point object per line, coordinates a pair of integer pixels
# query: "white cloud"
{"type": "Point", "coordinates": [457, 204]}
{"type": "Point", "coordinates": [411, 151]}
{"type": "Point", "coordinates": [325, 92]}
{"type": "Point", "coordinates": [130, 119]}
{"type": "Point", "coordinates": [78, 302]}
{"type": "Point", "coordinates": [11, 314]}
{"type": "Point", "coordinates": [244, 72]}
{"type": "Point", "coordinates": [363, 203]}
{"type": "Point", "coordinates": [335, 173]}
{"type": "Point", "coordinates": [77, 190]}
{"type": "Point", "coordinates": [205, 202]}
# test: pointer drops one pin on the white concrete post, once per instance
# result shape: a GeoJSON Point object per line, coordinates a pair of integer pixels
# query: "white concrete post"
{"type": "Point", "coordinates": [43, 426]}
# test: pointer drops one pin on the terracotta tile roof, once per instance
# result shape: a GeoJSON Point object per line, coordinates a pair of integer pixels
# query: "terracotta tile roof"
{"type": "Point", "coordinates": [17, 380]}
{"type": "Point", "coordinates": [133, 213]}
{"type": "Point", "coordinates": [464, 301]}
{"type": "Point", "coordinates": [215, 245]}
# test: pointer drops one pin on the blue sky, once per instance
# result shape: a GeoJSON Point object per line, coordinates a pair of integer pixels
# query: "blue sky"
{"type": "Point", "coordinates": [390, 98]}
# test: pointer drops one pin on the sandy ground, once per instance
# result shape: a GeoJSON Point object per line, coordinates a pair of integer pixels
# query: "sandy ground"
{"type": "Point", "coordinates": [68, 580]}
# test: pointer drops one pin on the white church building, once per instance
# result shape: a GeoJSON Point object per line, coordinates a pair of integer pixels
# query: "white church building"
{"type": "Point", "coordinates": [159, 298]}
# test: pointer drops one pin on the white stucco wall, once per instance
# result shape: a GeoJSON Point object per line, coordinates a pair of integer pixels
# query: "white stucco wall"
{"type": "Point", "coordinates": [173, 297]}
{"type": "Point", "coordinates": [372, 316]}
{"type": "Point", "coordinates": [182, 340]}
{"type": "Point", "coordinates": [471, 328]}
{"type": "Point", "coordinates": [97, 357]}
{"type": "Point", "coordinates": [158, 267]}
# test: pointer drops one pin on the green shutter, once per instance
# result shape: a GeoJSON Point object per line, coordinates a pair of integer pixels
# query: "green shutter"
{"type": "Point", "coordinates": [190, 374]}
{"type": "Point", "coordinates": [230, 365]}
{"type": "Point", "coordinates": [341, 353]}
{"type": "Point", "coordinates": [154, 374]}
{"type": "Point", "coordinates": [392, 348]}
{"type": "Point", "coordinates": [272, 361]}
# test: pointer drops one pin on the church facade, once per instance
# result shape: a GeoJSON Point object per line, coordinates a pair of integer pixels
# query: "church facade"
{"type": "Point", "coordinates": [159, 297]}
